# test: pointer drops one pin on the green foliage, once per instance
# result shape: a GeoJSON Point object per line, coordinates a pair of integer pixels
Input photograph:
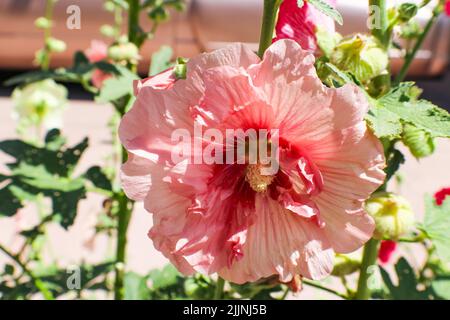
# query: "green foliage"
{"type": "Point", "coordinates": [118, 86]}
{"type": "Point", "coordinates": [441, 286]}
{"type": "Point", "coordinates": [407, 287]}
{"type": "Point", "coordinates": [394, 160]}
{"type": "Point", "coordinates": [160, 60]}
{"type": "Point", "coordinates": [327, 9]}
{"type": "Point", "coordinates": [407, 11]}
{"type": "Point", "coordinates": [47, 170]}
{"type": "Point", "coordinates": [437, 225]}
{"type": "Point", "coordinates": [388, 114]}
{"type": "Point", "coordinates": [80, 71]}
{"type": "Point", "coordinates": [136, 287]}
{"type": "Point", "coordinates": [92, 277]}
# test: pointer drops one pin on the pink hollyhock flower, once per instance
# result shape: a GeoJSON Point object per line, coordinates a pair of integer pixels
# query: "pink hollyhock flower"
{"type": "Point", "coordinates": [441, 195]}
{"type": "Point", "coordinates": [387, 248]}
{"type": "Point", "coordinates": [96, 52]}
{"type": "Point", "coordinates": [229, 218]}
{"type": "Point", "coordinates": [447, 8]}
{"type": "Point", "coordinates": [300, 24]}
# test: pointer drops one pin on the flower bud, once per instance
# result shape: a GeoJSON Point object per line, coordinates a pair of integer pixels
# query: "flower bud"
{"type": "Point", "coordinates": [410, 30]}
{"type": "Point", "coordinates": [107, 30]}
{"type": "Point", "coordinates": [109, 6]}
{"type": "Point", "coordinates": [124, 52]}
{"type": "Point", "coordinates": [42, 23]}
{"type": "Point", "coordinates": [361, 55]}
{"type": "Point", "coordinates": [419, 142]}
{"type": "Point", "coordinates": [56, 45]}
{"type": "Point", "coordinates": [407, 11]}
{"type": "Point", "coordinates": [392, 213]}
{"type": "Point", "coordinates": [344, 265]}
{"type": "Point", "coordinates": [180, 68]}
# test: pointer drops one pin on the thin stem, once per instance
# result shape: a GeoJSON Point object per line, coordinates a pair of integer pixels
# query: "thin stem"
{"type": "Point", "coordinates": [218, 294]}
{"type": "Point", "coordinates": [133, 20]}
{"type": "Point", "coordinates": [268, 24]}
{"type": "Point", "coordinates": [369, 259]}
{"type": "Point", "coordinates": [285, 293]}
{"type": "Point", "coordinates": [321, 287]}
{"type": "Point", "coordinates": [47, 34]}
{"type": "Point", "coordinates": [124, 219]}
{"type": "Point", "coordinates": [380, 31]}
{"type": "Point", "coordinates": [409, 58]}
{"type": "Point", "coordinates": [37, 282]}
{"type": "Point", "coordinates": [125, 205]}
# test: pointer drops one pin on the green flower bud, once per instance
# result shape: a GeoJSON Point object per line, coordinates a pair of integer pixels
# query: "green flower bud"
{"type": "Point", "coordinates": [124, 52]}
{"type": "Point", "coordinates": [56, 45]}
{"type": "Point", "coordinates": [419, 142]}
{"type": "Point", "coordinates": [109, 6]}
{"type": "Point", "coordinates": [180, 68]}
{"type": "Point", "coordinates": [410, 30]}
{"type": "Point", "coordinates": [40, 103]}
{"type": "Point", "coordinates": [362, 56]}
{"type": "Point", "coordinates": [327, 41]}
{"type": "Point", "coordinates": [108, 31]}
{"type": "Point", "coordinates": [392, 213]}
{"type": "Point", "coordinates": [42, 23]}
{"type": "Point", "coordinates": [407, 11]}
{"type": "Point", "coordinates": [344, 265]}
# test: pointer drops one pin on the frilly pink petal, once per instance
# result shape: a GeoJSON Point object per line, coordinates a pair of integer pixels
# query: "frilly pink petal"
{"type": "Point", "coordinates": [207, 217]}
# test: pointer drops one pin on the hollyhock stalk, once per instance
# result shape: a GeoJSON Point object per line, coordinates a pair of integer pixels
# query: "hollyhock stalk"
{"type": "Point", "coordinates": [125, 204]}
{"type": "Point", "coordinates": [370, 252]}
{"type": "Point", "coordinates": [409, 58]}
{"type": "Point", "coordinates": [268, 24]}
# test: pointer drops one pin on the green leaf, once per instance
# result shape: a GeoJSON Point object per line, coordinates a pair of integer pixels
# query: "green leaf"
{"type": "Point", "coordinates": [45, 171]}
{"type": "Point", "coordinates": [388, 114]}
{"type": "Point", "coordinates": [407, 283]}
{"type": "Point", "coordinates": [437, 226]}
{"type": "Point", "coordinates": [165, 277]}
{"type": "Point", "coordinates": [136, 287]}
{"type": "Point", "coordinates": [98, 178]}
{"type": "Point", "coordinates": [331, 75]}
{"type": "Point", "coordinates": [394, 161]}
{"type": "Point", "coordinates": [383, 122]}
{"type": "Point", "coordinates": [54, 140]}
{"type": "Point", "coordinates": [441, 286]}
{"type": "Point", "coordinates": [326, 41]}
{"type": "Point", "coordinates": [327, 9]}
{"type": "Point", "coordinates": [9, 204]}
{"type": "Point", "coordinates": [117, 87]}
{"type": "Point", "coordinates": [160, 60]}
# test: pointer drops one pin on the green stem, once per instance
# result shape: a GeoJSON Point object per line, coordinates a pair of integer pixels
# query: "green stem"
{"type": "Point", "coordinates": [321, 287]}
{"type": "Point", "coordinates": [218, 294]}
{"type": "Point", "coordinates": [409, 58]}
{"type": "Point", "coordinates": [37, 282]}
{"type": "Point", "coordinates": [125, 205]}
{"type": "Point", "coordinates": [47, 34]}
{"type": "Point", "coordinates": [125, 210]}
{"type": "Point", "coordinates": [370, 255]}
{"type": "Point", "coordinates": [381, 33]}
{"type": "Point", "coordinates": [268, 24]}
{"type": "Point", "coordinates": [133, 20]}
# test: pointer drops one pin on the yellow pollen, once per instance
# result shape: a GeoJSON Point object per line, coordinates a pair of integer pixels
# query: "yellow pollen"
{"type": "Point", "coordinates": [256, 179]}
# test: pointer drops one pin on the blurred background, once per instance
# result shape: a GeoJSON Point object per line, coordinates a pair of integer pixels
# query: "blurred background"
{"type": "Point", "coordinates": [204, 25]}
